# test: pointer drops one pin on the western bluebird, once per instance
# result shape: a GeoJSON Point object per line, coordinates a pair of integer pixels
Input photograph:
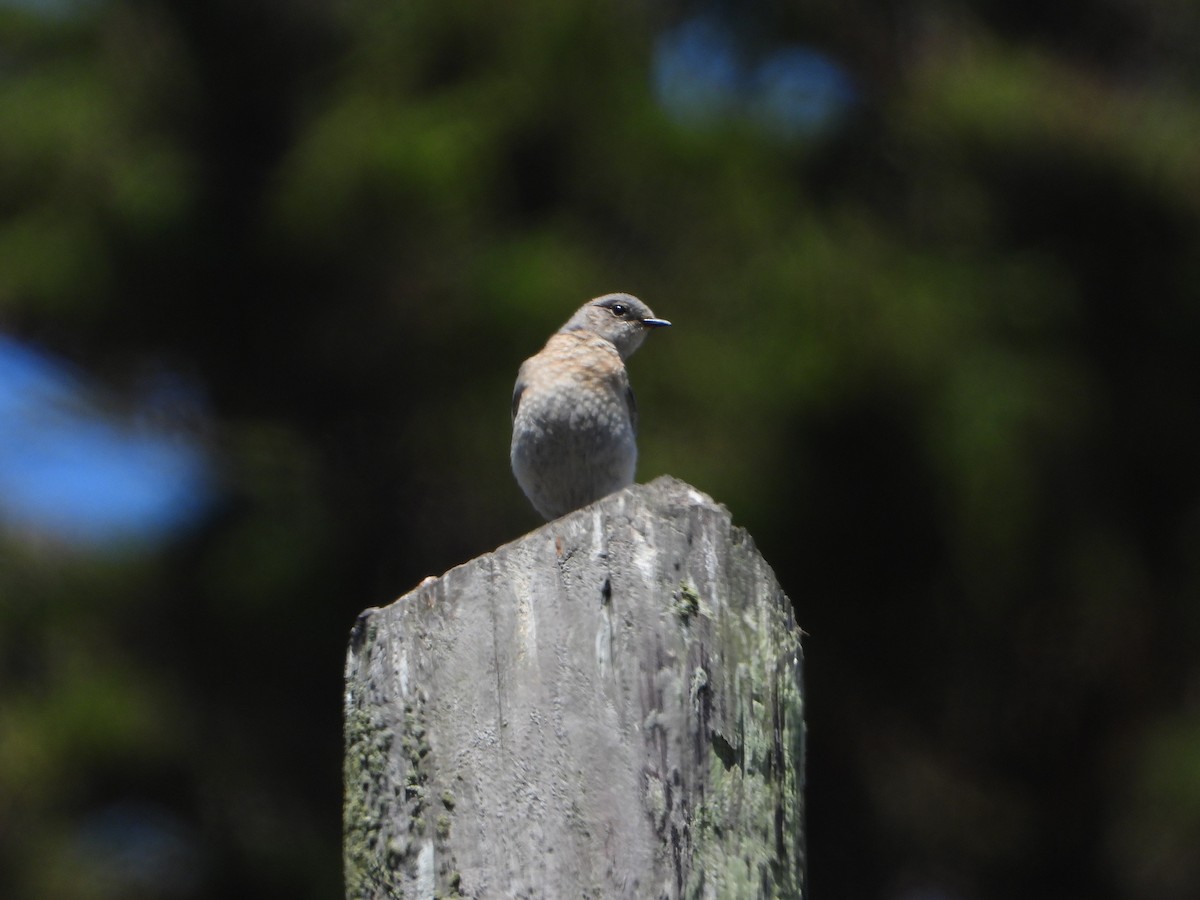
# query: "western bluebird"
{"type": "Point", "coordinates": [574, 416]}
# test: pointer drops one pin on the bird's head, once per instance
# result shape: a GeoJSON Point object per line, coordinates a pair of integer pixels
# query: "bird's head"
{"type": "Point", "coordinates": [621, 319]}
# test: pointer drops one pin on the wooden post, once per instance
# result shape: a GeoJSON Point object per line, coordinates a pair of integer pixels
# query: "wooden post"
{"type": "Point", "coordinates": [611, 706]}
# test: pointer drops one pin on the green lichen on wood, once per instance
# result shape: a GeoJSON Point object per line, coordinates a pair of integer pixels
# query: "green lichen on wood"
{"type": "Point", "coordinates": [388, 819]}
{"type": "Point", "coordinates": [744, 837]}
{"type": "Point", "coordinates": [365, 768]}
{"type": "Point", "coordinates": [747, 834]}
{"type": "Point", "coordinates": [687, 603]}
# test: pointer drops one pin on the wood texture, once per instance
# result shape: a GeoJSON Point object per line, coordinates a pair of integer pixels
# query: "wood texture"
{"type": "Point", "coordinates": [611, 706]}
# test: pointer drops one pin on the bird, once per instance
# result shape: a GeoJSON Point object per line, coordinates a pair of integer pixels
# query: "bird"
{"type": "Point", "coordinates": [573, 411]}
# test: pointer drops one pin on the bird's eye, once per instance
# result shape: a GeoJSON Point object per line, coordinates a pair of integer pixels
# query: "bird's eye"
{"type": "Point", "coordinates": [619, 310]}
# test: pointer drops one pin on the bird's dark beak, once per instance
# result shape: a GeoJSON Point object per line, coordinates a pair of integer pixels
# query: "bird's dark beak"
{"type": "Point", "coordinates": [655, 323]}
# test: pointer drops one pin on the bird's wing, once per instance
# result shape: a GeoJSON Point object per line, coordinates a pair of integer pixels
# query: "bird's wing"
{"type": "Point", "coordinates": [631, 402]}
{"type": "Point", "coordinates": [518, 390]}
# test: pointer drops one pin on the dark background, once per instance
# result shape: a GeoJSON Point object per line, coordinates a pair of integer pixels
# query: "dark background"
{"type": "Point", "coordinates": [935, 347]}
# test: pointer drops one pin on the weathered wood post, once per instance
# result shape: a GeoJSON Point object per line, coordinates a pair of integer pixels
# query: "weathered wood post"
{"type": "Point", "coordinates": [611, 706]}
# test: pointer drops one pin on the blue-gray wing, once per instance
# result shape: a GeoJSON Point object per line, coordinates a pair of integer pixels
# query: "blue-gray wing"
{"type": "Point", "coordinates": [518, 390]}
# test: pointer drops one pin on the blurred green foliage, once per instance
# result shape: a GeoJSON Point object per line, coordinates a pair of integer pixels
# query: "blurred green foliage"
{"type": "Point", "coordinates": [941, 360]}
